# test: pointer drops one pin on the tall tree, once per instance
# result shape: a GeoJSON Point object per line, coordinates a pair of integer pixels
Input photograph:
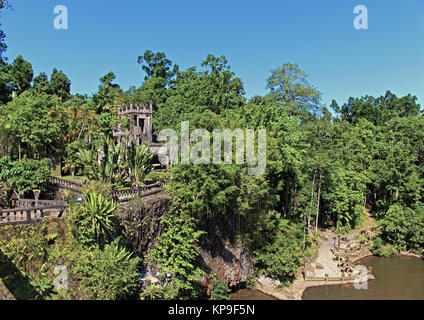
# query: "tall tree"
{"type": "Point", "coordinates": [108, 93]}
{"type": "Point", "coordinates": [21, 75]}
{"type": "Point", "coordinates": [156, 65]}
{"type": "Point", "coordinates": [60, 84]}
{"type": "Point", "coordinates": [41, 84]}
{"type": "Point", "coordinates": [290, 88]}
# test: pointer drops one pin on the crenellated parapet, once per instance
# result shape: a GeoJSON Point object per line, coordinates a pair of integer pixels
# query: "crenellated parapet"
{"type": "Point", "coordinates": [124, 110]}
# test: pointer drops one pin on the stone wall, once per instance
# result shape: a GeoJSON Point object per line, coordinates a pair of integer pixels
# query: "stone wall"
{"type": "Point", "coordinates": [140, 221]}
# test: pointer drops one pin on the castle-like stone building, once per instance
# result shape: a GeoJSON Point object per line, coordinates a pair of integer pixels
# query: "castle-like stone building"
{"type": "Point", "coordinates": [141, 127]}
{"type": "Point", "coordinates": [140, 119]}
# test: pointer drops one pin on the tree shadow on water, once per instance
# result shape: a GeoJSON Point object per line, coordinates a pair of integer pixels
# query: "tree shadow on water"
{"type": "Point", "coordinates": [18, 285]}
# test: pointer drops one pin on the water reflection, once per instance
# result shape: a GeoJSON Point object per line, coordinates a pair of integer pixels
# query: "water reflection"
{"type": "Point", "coordinates": [397, 278]}
{"type": "Point", "coordinates": [247, 294]}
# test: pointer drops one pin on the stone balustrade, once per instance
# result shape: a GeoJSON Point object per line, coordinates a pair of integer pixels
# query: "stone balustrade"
{"type": "Point", "coordinates": [27, 215]}
{"type": "Point", "coordinates": [119, 195]}
{"type": "Point", "coordinates": [127, 194]}
{"type": "Point", "coordinates": [25, 203]}
{"type": "Point", "coordinates": [67, 184]}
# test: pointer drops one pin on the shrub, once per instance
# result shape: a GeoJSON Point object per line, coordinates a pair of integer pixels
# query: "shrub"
{"type": "Point", "coordinates": [26, 246]}
{"type": "Point", "coordinates": [281, 255]}
{"type": "Point", "coordinates": [220, 290]}
{"type": "Point", "coordinates": [175, 253]}
{"type": "Point", "coordinates": [25, 175]}
{"type": "Point", "coordinates": [159, 292]}
{"type": "Point", "coordinates": [107, 274]}
{"type": "Point", "coordinates": [95, 220]}
{"type": "Point", "coordinates": [403, 227]}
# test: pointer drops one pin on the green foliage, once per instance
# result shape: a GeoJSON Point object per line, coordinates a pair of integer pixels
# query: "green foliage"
{"type": "Point", "coordinates": [220, 290]}
{"type": "Point", "coordinates": [41, 84]}
{"type": "Point", "coordinates": [43, 286]}
{"type": "Point", "coordinates": [26, 247]}
{"type": "Point", "coordinates": [105, 99]}
{"type": "Point", "coordinates": [378, 110]}
{"type": "Point", "coordinates": [213, 190]}
{"type": "Point", "coordinates": [21, 75]}
{"type": "Point", "coordinates": [60, 84]}
{"type": "Point", "coordinates": [175, 253]}
{"type": "Point", "coordinates": [102, 161]}
{"type": "Point", "coordinates": [108, 274]}
{"type": "Point", "coordinates": [159, 176]}
{"type": "Point", "coordinates": [106, 161]}
{"type": "Point", "coordinates": [215, 89]}
{"type": "Point", "coordinates": [281, 252]}
{"type": "Point", "coordinates": [35, 125]}
{"type": "Point", "coordinates": [25, 175]}
{"type": "Point", "coordinates": [95, 220]}
{"type": "Point", "coordinates": [157, 65]}
{"type": "Point", "coordinates": [383, 250]}
{"type": "Point", "coordinates": [403, 227]}
{"type": "Point", "coordinates": [159, 292]}
{"type": "Point", "coordinates": [139, 162]}
{"type": "Point", "coordinates": [290, 88]}
{"type": "Point", "coordinates": [73, 161]}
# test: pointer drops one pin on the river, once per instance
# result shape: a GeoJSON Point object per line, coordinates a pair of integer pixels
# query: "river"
{"type": "Point", "coordinates": [247, 294]}
{"type": "Point", "coordinates": [397, 278]}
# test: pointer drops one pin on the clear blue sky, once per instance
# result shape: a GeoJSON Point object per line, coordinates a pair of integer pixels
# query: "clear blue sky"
{"type": "Point", "coordinates": [255, 36]}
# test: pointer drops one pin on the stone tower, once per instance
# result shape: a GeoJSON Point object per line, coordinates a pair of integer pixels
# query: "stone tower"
{"type": "Point", "coordinates": [140, 117]}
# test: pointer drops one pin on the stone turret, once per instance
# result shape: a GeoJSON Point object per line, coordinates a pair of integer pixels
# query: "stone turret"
{"type": "Point", "coordinates": [140, 117]}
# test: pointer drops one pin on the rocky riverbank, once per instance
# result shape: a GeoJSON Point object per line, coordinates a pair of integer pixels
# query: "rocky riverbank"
{"type": "Point", "coordinates": [332, 264]}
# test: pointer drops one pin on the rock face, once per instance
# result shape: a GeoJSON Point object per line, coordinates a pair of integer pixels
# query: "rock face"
{"type": "Point", "coordinates": [229, 260]}
{"type": "Point", "coordinates": [140, 222]}
{"type": "Point", "coordinates": [269, 283]}
{"type": "Point", "coordinates": [231, 263]}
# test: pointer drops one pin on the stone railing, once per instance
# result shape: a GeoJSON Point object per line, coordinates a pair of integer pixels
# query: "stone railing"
{"type": "Point", "coordinates": [127, 194]}
{"type": "Point", "coordinates": [67, 184]}
{"type": "Point", "coordinates": [333, 279]}
{"type": "Point", "coordinates": [30, 203]}
{"type": "Point", "coordinates": [27, 215]}
{"type": "Point", "coordinates": [119, 195]}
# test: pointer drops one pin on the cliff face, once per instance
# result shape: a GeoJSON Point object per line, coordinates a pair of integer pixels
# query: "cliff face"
{"type": "Point", "coordinates": [230, 260]}
{"type": "Point", "coordinates": [140, 222]}
{"type": "Point", "coordinates": [231, 263]}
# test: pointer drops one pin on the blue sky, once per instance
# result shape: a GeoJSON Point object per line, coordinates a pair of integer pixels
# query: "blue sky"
{"type": "Point", "coordinates": [255, 37]}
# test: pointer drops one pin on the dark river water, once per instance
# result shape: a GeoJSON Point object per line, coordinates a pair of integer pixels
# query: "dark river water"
{"type": "Point", "coordinates": [246, 294]}
{"type": "Point", "coordinates": [397, 278]}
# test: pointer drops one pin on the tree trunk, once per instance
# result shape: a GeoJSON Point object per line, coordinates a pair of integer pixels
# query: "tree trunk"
{"type": "Point", "coordinates": [397, 192]}
{"type": "Point", "coordinates": [365, 200]}
{"type": "Point", "coordinates": [319, 196]}
{"type": "Point", "coordinates": [312, 196]}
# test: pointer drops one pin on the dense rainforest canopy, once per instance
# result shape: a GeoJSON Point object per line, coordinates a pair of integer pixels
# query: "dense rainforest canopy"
{"type": "Point", "coordinates": [326, 165]}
